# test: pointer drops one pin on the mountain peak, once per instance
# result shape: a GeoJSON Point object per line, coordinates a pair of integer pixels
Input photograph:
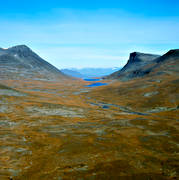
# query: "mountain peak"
{"type": "Point", "coordinates": [138, 57]}
{"type": "Point", "coordinates": [22, 51]}
{"type": "Point", "coordinates": [19, 48]}
{"type": "Point", "coordinates": [140, 64]}
{"type": "Point", "coordinates": [27, 63]}
{"type": "Point", "coordinates": [136, 61]}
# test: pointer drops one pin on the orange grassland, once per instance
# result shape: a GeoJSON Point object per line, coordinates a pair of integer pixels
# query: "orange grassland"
{"type": "Point", "coordinates": [64, 130]}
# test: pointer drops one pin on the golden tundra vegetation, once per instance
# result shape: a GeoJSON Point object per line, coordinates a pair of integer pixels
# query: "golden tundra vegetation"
{"type": "Point", "coordinates": [65, 130]}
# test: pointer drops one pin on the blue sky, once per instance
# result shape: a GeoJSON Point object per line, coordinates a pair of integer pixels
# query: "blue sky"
{"type": "Point", "coordinates": [90, 33]}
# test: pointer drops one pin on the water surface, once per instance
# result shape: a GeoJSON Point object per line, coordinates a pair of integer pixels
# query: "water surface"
{"type": "Point", "coordinates": [92, 79]}
{"type": "Point", "coordinates": [96, 84]}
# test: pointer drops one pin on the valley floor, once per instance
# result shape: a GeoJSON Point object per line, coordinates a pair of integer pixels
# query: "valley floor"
{"type": "Point", "coordinates": [66, 130]}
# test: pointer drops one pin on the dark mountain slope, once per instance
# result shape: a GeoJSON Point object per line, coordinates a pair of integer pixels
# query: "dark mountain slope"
{"type": "Point", "coordinates": [140, 65]}
{"type": "Point", "coordinates": [20, 62]}
{"type": "Point", "coordinates": [167, 64]}
{"type": "Point", "coordinates": [170, 55]}
{"type": "Point", "coordinates": [136, 61]}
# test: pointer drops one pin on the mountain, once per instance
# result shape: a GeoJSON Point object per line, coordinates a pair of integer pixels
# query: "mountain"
{"type": "Point", "coordinates": [89, 72]}
{"type": "Point", "coordinates": [147, 108]}
{"type": "Point", "coordinates": [153, 87]}
{"type": "Point", "coordinates": [20, 62]}
{"type": "Point", "coordinates": [140, 64]}
{"type": "Point", "coordinates": [72, 73]}
{"type": "Point", "coordinates": [168, 64]}
{"type": "Point", "coordinates": [97, 72]}
{"type": "Point", "coordinates": [136, 61]}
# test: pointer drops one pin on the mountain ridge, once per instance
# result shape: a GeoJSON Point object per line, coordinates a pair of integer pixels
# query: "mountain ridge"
{"type": "Point", "coordinates": [136, 61]}
{"type": "Point", "coordinates": [20, 61]}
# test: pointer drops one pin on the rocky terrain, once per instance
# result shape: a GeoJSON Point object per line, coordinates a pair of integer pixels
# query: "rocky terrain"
{"type": "Point", "coordinates": [140, 65]}
{"type": "Point", "coordinates": [20, 62]}
{"type": "Point", "coordinates": [64, 129]}
{"type": "Point", "coordinates": [136, 62]}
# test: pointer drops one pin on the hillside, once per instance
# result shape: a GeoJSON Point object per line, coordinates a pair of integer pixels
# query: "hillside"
{"type": "Point", "coordinates": [20, 62]}
{"type": "Point", "coordinates": [150, 104]}
{"type": "Point", "coordinates": [157, 82]}
{"type": "Point", "coordinates": [136, 62]}
{"type": "Point", "coordinates": [69, 130]}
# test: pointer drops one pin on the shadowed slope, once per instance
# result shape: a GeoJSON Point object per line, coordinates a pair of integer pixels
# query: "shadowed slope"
{"type": "Point", "coordinates": [168, 64]}
{"type": "Point", "coordinates": [136, 61]}
{"type": "Point", "coordinates": [140, 65]}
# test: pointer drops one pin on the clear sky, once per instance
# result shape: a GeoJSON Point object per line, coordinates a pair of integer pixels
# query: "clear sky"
{"type": "Point", "coordinates": [90, 33]}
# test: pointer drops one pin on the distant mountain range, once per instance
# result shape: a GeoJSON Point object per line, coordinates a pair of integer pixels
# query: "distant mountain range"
{"type": "Point", "coordinates": [89, 72]}
{"type": "Point", "coordinates": [72, 73]}
{"type": "Point", "coordinates": [20, 62]}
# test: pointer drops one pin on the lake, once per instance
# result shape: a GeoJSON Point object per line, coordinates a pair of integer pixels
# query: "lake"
{"type": "Point", "coordinates": [92, 79]}
{"type": "Point", "coordinates": [96, 84]}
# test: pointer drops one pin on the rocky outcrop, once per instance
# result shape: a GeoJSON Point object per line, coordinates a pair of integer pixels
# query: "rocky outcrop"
{"type": "Point", "coordinates": [135, 63]}
{"type": "Point", "coordinates": [140, 65]}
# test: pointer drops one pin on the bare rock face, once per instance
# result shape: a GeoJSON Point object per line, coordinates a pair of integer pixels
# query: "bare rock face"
{"type": "Point", "coordinates": [136, 61]}
{"type": "Point", "coordinates": [20, 62]}
{"type": "Point", "coordinates": [140, 65]}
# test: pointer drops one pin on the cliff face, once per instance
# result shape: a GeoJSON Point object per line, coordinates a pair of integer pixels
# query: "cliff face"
{"type": "Point", "coordinates": [136, 57]}
{"type": "Point", "coordinates": [20, 62]}
{"type": "Point", "coordinates": [140, 65]}
{"type": "Point", "coordinates": [136, 61]}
